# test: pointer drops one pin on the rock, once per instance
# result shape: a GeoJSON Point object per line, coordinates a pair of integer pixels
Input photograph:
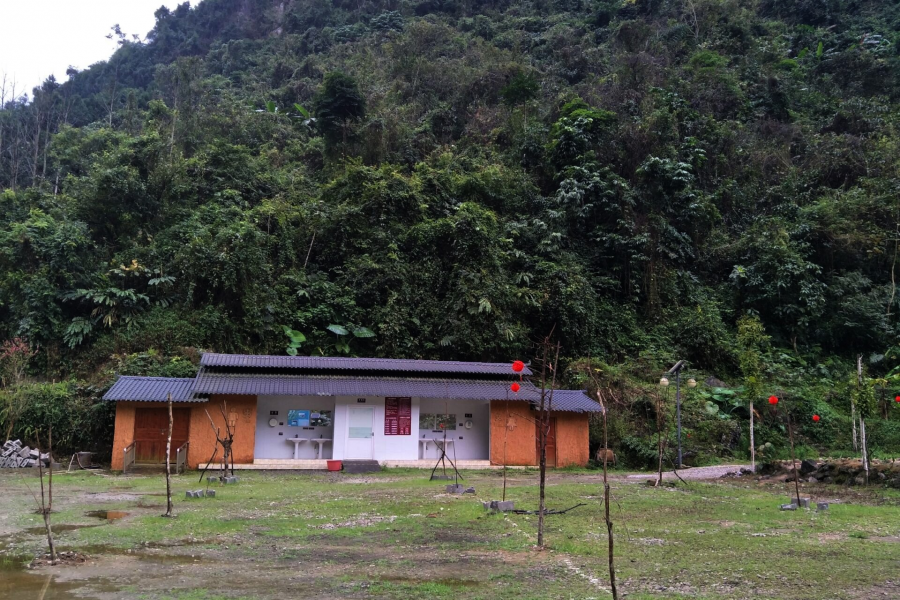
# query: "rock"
{"type": "Point", "coordinates": [455, 488]}
{"type": "Point", "coordinates": [812, 480]}
{"type": "Point", "coordinates": [500, 505]}
{"type": "Point", "coordinates": [881, 476]}
{"type": "Point", "coordinates": [808, 466]}
{"type": "Point", "coordinates": [828, 480]}
{"type": "Point", "coordinates": [470, 490]}
{"type": "Point", "coordinates": [859, 480]}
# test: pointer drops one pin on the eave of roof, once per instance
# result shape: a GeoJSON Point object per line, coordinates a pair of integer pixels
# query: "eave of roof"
{"type": "Point", "coordinates": [327, 363]}
{"type": "Point", "coordinates": [152, 389]}
{"type": "Point", "coordinates": [211, 382]}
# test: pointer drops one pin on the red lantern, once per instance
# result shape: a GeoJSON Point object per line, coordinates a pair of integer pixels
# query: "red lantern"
{"type": "Point", "coordinates": [897, 399]}
{"type": "Point", "coordinates": [517, 366]}
{"type": "Point", "coordinates": [773, 400]}
{"type": "Point", "coordinates": [816, 418]}
{"type": "Point", "coordinates": [514, 387]}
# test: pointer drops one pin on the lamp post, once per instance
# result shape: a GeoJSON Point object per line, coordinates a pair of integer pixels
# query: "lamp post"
{"type": "Point", "coordinates": [690, 383]}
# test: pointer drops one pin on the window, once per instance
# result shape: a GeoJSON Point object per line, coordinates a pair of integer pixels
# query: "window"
{"type": "Point", "coordinates": [437, 422]}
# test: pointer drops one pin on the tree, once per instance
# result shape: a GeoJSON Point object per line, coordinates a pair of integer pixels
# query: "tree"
{"type": "Point", "coordinates": [751, 338]}
{"type": "Point", "coordinates": [549, 362]}
{"type": "Point", "coordinates": [338, 105]}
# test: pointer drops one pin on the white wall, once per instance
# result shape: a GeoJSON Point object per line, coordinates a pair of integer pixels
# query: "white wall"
{"type": "Point", "coordinates": [471, 444]}
{"type": "Point", "coordinates": [269, 444]}
{"type": "Point", "coordinates": [386, 447]}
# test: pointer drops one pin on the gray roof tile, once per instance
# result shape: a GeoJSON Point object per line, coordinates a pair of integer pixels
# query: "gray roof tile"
{"type": "Point", "coordinates": [347, 385]}
{"type": "Point", "coordinates": [152, 389]}
{"type": "Point", "coordinates": [210, 359]}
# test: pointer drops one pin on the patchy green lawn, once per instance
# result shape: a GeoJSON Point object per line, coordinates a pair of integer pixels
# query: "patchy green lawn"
{"type": "Point", "coordinates": [397, 535]}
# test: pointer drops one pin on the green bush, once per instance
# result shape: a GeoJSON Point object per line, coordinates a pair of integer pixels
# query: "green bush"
{"type": "Point", "coordinates": [80, 421]}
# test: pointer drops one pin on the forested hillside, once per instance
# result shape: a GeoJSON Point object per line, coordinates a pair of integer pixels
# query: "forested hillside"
{"type": "Point", "coordinates": [452, 180]}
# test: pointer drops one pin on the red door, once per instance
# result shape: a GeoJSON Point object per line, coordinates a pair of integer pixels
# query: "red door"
{"type": "Point", "coordinates": [151, 425]}
{"type": "Point", "coordinates": [551, 444]}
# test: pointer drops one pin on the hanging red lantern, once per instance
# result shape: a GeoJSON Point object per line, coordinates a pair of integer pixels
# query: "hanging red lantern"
{"type": "Point", "coordinates": [773, 400]}
{"type": "Point", "coordinates": [518, 366]}
{"type": "Point", "coordinates": [897, 399]}
{"type": "Point", "coordinates": [816, 418]}
{"type": "Point", "coordinates": [514, 387]}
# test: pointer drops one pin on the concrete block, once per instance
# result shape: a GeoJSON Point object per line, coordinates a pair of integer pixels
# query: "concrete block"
{"type": "Point", "coordinates": [230, 480]}
{"type": "Point", "coordinates": [804, 502]}
{"type": "Point", "coordinates": [789, 506]}
{"type": "Point", "coordinates": [212, 480]}
{"type": "Point", "coordinates": [820, 506]}
{"type": "Point", "coordinates": [24, 452]}
{"type": "Point", "coordinates": [210, 493]}
{"type": "Point", "coordinates": [455, 488]}
{"type": "Point", "coordinates": [500, 505]}
{"type": "Point", "coordinates": [469, 490]}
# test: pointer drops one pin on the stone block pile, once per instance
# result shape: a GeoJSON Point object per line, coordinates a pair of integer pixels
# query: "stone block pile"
{"type": "Point", "coordinates": [13, 455]}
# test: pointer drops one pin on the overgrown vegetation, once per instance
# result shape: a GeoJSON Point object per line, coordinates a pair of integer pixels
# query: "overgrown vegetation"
{"type": "Point", "coordinates": [460, 179]}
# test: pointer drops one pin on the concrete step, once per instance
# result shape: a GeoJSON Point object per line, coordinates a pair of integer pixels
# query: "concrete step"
{"type": "Point", "coordinates": [361, 466]}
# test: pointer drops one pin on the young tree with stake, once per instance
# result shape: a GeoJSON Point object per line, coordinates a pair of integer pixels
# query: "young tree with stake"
{"type": "Point", "coordinates": [751, 340]}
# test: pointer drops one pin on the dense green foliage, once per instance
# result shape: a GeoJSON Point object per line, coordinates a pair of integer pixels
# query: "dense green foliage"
{"type": "Point", "coordinates": [463, 178]}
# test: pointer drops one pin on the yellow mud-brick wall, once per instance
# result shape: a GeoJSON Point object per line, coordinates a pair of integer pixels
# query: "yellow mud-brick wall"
{"type": "Point", "coordinates": [123, 434]}
{"type": "Point", "coordinates": [572, 444]}
{"type": "Point", "coordinates": [242, 409]}
{"type": "Point", "coordinates": [512, 433]}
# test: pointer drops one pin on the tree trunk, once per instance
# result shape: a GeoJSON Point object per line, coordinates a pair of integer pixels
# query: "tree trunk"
{"type": "Point", "coordinates": [609, 525]}
{"type": "Point", "coordinates": [752, 442]}
{"type": "Point", "coordinates": [865, 452]}
{"type": "Point", "coordinates": [853, 423]}
{"type": "Point", "coordinates": [862, 421]}
{"type": "Point", "coordinates": [169, 462]}
{"type": "Point", "coordinates": [794, 460]}
{"type": "Point", "coordinates": [47, 506]}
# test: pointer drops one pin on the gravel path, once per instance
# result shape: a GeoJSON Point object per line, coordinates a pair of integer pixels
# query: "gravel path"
{"type": "Point", "coordinates": [695, 473]}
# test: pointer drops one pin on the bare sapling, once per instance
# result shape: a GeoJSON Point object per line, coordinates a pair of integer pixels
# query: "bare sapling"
{"type": "Point", "coordinates": [544, 424]}
{"type": "Point", "coordinates": [47, 495]}
{"type": "Point", "coordinates": [793, 459]}
{"type": "Point", "coordinates": [169, 462]}
{"type": "Point", "coordinates": [609, 525]}
{"type": "Point", "coordinates": [225, 439]}
{"type": "Point", "coordinates": [864, 400]}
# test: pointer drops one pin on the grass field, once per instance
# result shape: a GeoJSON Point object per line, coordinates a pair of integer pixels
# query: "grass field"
{"type": "Point", "coordinates": [396, 535]}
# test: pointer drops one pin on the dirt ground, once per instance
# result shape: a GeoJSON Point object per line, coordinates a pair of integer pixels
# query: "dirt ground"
{"type": "Point", "coordinates": [395, 535]}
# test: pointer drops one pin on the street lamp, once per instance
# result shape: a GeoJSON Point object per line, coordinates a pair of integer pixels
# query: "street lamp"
{"type": "Point", "coordinates": [691, 383]}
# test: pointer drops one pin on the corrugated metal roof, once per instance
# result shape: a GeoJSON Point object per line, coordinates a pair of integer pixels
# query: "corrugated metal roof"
{"type": "Point", "coordinates": [252, 361]}
{"type": "Point", "coordinates": [152, 389]}
{"type": "Point", "coordinates": [574, 401]}
{"type": "Point", "coordinates": [339, 385]}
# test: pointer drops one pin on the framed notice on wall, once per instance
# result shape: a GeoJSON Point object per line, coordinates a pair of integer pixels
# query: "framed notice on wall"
{"type": "Point", "coordinates": [398, 416]}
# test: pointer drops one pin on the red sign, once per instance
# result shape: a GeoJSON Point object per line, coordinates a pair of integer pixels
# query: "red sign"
{"type": "Point", "coordinates": [398, 416]}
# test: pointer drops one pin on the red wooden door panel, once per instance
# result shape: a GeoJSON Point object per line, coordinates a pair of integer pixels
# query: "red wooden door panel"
{"type": "Point", "coordinates": [150, 428]}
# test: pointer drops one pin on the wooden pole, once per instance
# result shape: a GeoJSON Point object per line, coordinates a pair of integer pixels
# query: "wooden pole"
{"type": "Point", "coordinates": [793, 460]}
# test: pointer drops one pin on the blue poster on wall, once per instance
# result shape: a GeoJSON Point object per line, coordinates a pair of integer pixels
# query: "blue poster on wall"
{"type": "Point", "coordinates": [298, 418]}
